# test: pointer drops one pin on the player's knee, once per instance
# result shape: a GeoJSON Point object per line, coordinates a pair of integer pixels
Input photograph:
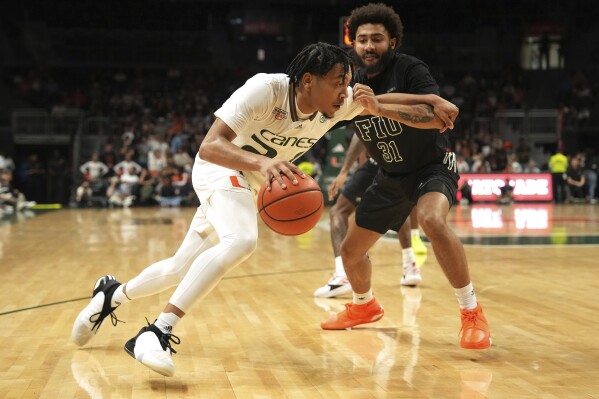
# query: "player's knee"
{"type": "Point", "coordinates": [431, 222]}
{"type": "Point", "coordinates": [248, 243]}
{"type": "Point", "coordinates": [241, 244]}
{"type": "Point", "coordinates": [175, 268]}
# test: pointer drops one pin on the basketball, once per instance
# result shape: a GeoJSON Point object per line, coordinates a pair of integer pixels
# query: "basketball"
{"type": "Point", "coordinates": [294, 210]}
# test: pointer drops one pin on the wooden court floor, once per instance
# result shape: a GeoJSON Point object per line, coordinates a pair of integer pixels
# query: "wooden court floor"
{"type": "Point", "coordinates": [257, 334]}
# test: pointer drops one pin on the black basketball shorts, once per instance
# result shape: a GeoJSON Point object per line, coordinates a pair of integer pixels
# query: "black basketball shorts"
{"type": "Point", "coordinates": [390, 199]}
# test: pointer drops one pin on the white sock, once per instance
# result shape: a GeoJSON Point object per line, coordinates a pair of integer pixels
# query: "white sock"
{"type": "Point", "coordinates": [339, 270]}
{"type": "Point", "coordinates": [415, 232]}
{"type": "Point", "coordinates": [408, 257]}
{"type": "Point", "coordinates": [466, 297]}
{"type": "Point", "coordinates": [119, 297]}
{"type": "Point", "coordinates": [361, 299]}
{"type": "Point", "coordinates": [166, 322]}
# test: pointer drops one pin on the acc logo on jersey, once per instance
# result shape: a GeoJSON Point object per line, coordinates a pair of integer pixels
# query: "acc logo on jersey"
{"type": "Point", "coordinates": [279, 113]}
{"type": "Point", "coordinates": [323, 119]}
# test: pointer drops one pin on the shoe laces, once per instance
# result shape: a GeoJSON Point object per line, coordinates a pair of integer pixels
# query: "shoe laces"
{"type": "Point", "coordinates": [469, 320]}
{"type": "Point", "coordinates": [411, 269]}
{"type": "Point", "coordinates": [356, 309]}
{"type": "Point", "coordinates": [166, 338]}
{"type": "Point", "coordinates": [348, 310]}
{"type": "Point", "coordinates": [100, 316]}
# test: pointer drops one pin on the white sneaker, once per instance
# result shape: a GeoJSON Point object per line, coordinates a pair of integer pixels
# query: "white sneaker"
{"type": "Point", "coordinates": [91, 317]}
{"type": "Point", "coordinates": [152, 348]}
{"type": "Point", "coordinates": [411, 275]}
{"type": "Point", "coordinates": [337, 286]}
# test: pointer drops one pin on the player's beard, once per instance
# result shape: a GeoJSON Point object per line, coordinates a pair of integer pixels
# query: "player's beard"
{"type": "Point", "coordinates": [377, 68]}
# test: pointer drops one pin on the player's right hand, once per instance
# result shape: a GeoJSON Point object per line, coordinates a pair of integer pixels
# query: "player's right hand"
{"type": "Point", "coordinates": [274, 169]}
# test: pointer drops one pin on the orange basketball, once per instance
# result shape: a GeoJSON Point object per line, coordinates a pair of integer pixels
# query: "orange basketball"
{"type": "Point", "coordinates": [292, 211]}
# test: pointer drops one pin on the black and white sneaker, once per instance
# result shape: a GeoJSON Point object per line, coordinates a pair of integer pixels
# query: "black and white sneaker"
{"type": "Point", "coordinates": [152, 348]}
{"type": "Point", "coordinates": [335, 287]}
{"type": "Point", "coordinates": [91, 317]}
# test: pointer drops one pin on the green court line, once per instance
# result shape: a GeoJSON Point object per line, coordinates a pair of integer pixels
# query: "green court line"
{"type": "Point", "coordinates": [43, 306]}
{"type": "Point", "coordinates": [224, 278]}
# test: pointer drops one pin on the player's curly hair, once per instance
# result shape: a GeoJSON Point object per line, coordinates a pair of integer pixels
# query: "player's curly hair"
{"type": "Point", "coordinates": [376, 13]}
{"type": "Point", "coordinates": [318, 59]}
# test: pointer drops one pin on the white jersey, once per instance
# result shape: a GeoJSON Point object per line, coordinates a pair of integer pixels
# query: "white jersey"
{"type": "Point", "coordinates": [264, 115]}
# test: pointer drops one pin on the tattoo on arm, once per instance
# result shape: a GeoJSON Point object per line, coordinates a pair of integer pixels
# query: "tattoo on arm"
{"type": "Point", "coordinates": [419, 114]}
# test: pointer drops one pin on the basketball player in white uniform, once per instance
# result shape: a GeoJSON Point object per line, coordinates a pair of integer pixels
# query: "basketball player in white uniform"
{"type": "Point", "coordinates": [268, 122]}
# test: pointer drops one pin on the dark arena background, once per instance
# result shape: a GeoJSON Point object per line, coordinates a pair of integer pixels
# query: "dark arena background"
{"type": "Point", "coordinates": [130, 83]}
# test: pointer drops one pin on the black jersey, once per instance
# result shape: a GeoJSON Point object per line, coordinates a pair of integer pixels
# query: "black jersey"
{"type": "Point", "coordinates": [399, 148]}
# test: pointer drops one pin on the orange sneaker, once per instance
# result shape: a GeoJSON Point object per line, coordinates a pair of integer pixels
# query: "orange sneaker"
{"type": "Point", "coordinates": [354, 315]}
{"type": "Point", "coordinates": [475, 329]}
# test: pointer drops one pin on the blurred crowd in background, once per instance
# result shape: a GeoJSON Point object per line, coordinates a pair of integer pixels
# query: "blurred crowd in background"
{"type": "Point", "coordinates": [158, 114]}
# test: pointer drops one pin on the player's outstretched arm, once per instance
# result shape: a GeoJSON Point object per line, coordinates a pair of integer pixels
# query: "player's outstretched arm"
{"type": "Point", "coordinates": [445, 110]}
{"type": "Point", "coordinates": [393, 106]}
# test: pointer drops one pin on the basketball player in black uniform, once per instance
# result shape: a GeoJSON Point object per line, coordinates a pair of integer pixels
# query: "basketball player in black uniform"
{"type": "Point", "coordinates": [350, 195]}
{"type": "Point", "coordinates": [416, 168]}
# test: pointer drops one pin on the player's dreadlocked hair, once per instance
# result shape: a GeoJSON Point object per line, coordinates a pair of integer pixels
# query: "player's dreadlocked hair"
{"type": "Point", "coordinates": [378, 13]}
{"type": "Point", "coordinates": [318, 59]}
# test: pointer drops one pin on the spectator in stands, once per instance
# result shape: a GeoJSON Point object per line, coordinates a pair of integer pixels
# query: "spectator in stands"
{"type": "Point", "coordinates": [11, 199]}
{"type": "Point", "coordinates": [480, 164]}
{"type": "Point", "coordinates": [108, 157]}
{"type": "Point", "coordinates": [589, 166]}
{"type": "Point", "coordinates": [156, 142]}
{"type": "Point", "coordinates": [6, 162]}
{"type": "Point", "coordinates": [531, 167]}
{"type": "Point", "coordinates": [168, 195]}
{"type": "Point", "coordinates": [462, 164]}
{"type": "Point", "coordinates": [513, 164]}
{"type": "Point", "coordinates": [466, 194]}
{"type": "Point", "coordinates": [127, 165]}
{"type": "Point", "coordinates": [575, 181]}
{"type": "Point", "coordinates": [84, 194]}
{"type": "Point", "coordinates": [558, 165]}
{"type": "Point", "coordinates": [544, 46]}
{"type": "Point", "coordinates": [507, 194]}
{"type": "Point", "coordinates": [122, 188]}
{"type": "Point", "coordinates": [182, 158]}
{"type": "Point", "coordinates": [94, 171]}
{"type": "Point", "coordinates": [142, 149]}
{"type": "Point", "coordinates": [194, 145]}
{"type": "Point", "coordinates": [147, 185]}
{"type": "Point", "coordinates": [522, 151]}
{"type": "Point", "coordinates": [583, 103]}
{"type": "Point", "coordinates": [498, 158]}
{"type": "Point", "coordinates": [156, 162]}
